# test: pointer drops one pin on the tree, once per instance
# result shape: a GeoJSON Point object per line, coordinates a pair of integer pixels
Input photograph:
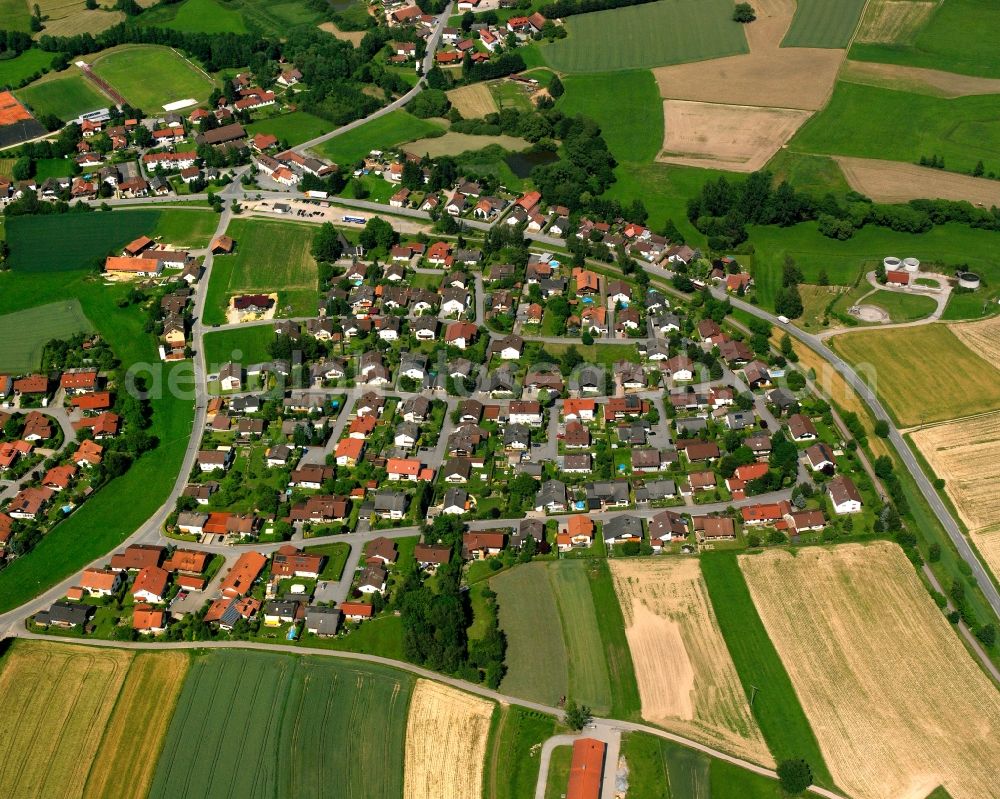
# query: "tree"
{"type": "Point", "coordinates": [978, 170]}
{"type": "Point", "coordinates": [795, 775]}
{"type": "Point", "coordinates": [577, 716]}
{"type": "Point", "coordinates": [788, 302]}
{"type": "Point", "coordinates": [326, 245]}
{"type": "Point", "coordinates": [378, 234]}
{"type": "Point", "coordinates": [882, 428]}
{"type": "Point", "coordinates": [556, 88]}
{"type": "Point", "coordinates": [744, 13]}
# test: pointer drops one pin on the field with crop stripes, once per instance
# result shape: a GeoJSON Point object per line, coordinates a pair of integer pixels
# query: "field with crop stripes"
{"type": "Point", "coordinates": [824, 23]}
{"type": "Point", "coordinates": [261, 725]}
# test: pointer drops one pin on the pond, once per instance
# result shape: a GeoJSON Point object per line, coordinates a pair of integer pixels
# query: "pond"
{"type": "Point", "coordinates": [522, 163]}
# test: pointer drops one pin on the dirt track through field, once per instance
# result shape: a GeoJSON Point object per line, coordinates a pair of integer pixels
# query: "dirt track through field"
{"type": "Point", "coordinates": [446, 735]}
{"type": "Point", "coordinates": [897, 703]}
{"type": "Point", "coordinates": [712, 135]}
{"type": "Point", "coordinates": [896, 182]}
{"type": "Point", "coordinates": [917, 80]}
{"type": "Point", "coordinates": [769, 75]}
{"type": "Point", "coordinates": [687, 680]}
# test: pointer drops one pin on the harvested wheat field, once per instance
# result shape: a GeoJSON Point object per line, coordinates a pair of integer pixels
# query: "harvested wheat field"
{"type": "Point", "coordinates": [982, 337]}
{"type": "Point", "coordinates": [473, 101]}
{"type": "Point", "coordinates": [142, 713]}
{"type": "Point", "coordinates": [687, 680]}
{"type": "Point", "coordinates": [85, 21]}
{"type": "Point", "coordinates": [769, 75]}
{"type": "Point", "coordinates": [918, 80]}
{"type": "Point", "coordinates": [446, 734]}
{"type": "Point", "coordinates": [57, 699]}
{"type": "Point", "coordinates": [896, 182]}
{"type": "Point", "coordinates": [734, 137]}
{"type": "Point", "coordinates": [354, 37]}
{"type": "Point", "coordinates": [966, 455]}
{"type": "Point", "coordinates": [893, 21]}
{"type": "Point", "coordinates": [897, 703]}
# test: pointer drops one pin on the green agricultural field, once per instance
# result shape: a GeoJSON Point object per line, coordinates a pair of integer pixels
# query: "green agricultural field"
{"type": "Point", "coordinates": [16, 15]}
{"type": "Point", "coordinates": [818, 175]}
{"type": "Point", "coordinates": [588, 669]}
{"type": "Point", "coordinates": [250, 342]}
{"type": "Point", "coordinates": [391, 130]}
{"type": "Point", "coordinates": [959, 37]}
{"type": "Point", "coordinates": [651, 35]}
{"type": "Point", "coordinates": [903, 307]}
{"type": "Point", "coordinates": [626, 105]}
{"type": "Point", "coordinates": [625, 702]}
{"type": "Point", "coordinates": [941, 248]}
{"type": "Point", "coordinates": [963, 130]}
{"type": "Point", "coordinates": [150, 76]}
{"type": "Point", "coordinates": [659, 769]}
{"type": "Point", "coordinates": [776, 707]}
{"type": "Point", "coordinates": [537, 664]}
{"type": "Point", "coordinates": [270, 256]}
{"type": "Point", "coordinates": [196, 16]}
{"type": "Point", "coordinates": [127, 502]}
{"type": "Point", "coordinates": [293, 129]}
{"type": "Point", "coordinates": [185, 227]}
{"type": "Point", "coordinates": [25, 333]}
{"type": "Point", "coordinates": [511, 769]}
{"type": "Point", "coordinates": [824, 23]}
{"type": "Point", "coordinates": [56, 242]}
{"type": "Point", "coordinates": [306, 727]}
{"type": "Point", "coordinates": [14, 70]}
{"type": "Point", "coordinates": [66, 97]}
{"type": "Point", "coordinates": [905, 361]}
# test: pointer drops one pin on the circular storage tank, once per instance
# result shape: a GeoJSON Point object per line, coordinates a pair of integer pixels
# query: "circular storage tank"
{"type": "Point", "coordinates": [891, 262]}
{"type": "Point", "coordinates": [968, 280]}
{"type": "Point", "coordinates": [911, 264]}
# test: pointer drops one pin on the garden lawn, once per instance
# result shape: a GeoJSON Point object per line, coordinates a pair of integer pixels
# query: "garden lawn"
{"type": "Point", "coordinates": [903, 307]}
{"type": "Point", "coordinates": [65, 97]}
{"type": "Point", "coordinates": [941, 248]}
{"type": "Point", "coordinates": [293, 129]}
{"type": "Point", "coordinates": [14, 70]}
{"type": "Point", "coordinates": [382, 133]}
{"type": "Point", "coordinates": [511, 770]}
{"type": "Point", "coordinates": [959, 37]}
{"type": "Point", "coordinates": [270, 256]}
{"type": "Point", "coordinates": [336, 557]}
{"type": "Point", "coordinates": [824, 23]}
{"type": "Point", "coordinates": [776, 707]}
{"type": "Point", "coordinates": [247, 344]}
{"type": "Point", "coordinates": [150, 76]}
{"type": "Point", "coordinates": [906, 362]}
{"type": "Point", "coordinates": [25, 333]}
{"type": "Point", "coordinates": [651, 35]}
{"type": "Point", "coordinates": [301, 728]}
{"type": "Point", "coordinates": [963, 130]}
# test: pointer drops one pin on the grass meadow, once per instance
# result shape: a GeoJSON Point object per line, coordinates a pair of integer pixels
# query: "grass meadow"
{"type": "Point", "coordinates": [511, 768]}
{"type": "Point", "coordinates": [270, 256]}
{"type": "Point", "coordinates": [824, 23]}
{"type": "Point", "coordinates": [126, 503]}
{"type": "Point", "coordinates": [385, 132]}
{"type": "Point", "coordinates": [776, 706]}
{"type": "Point", "coordinates": [651, 35]}
{"type": "Point", "coordinates": [252, 724]}
{"type": "Point", "coordinates": [942, 248]}
{"type": "Point", "coordinates": [66, 97]}
{"type": "Point", "coordinates": [26, 332]}
{"type": "Point", "coordinates": [903, 307]}
{"type": "Point", "coordinates": [959, 37]}
{"type": "Point", "coordinates": [14, 70]}
{"type": "Point", "coordinates": [16, 15]}
{"type": "Point", "coordinates": [907, 361]}
{"type": "Point", "coordinates": [197, 16]}
{"type": "Point", "coordinates": [293, 128]}
{"type": "Point", "coordinates": [962, 130]}
{"type": "Point", "coordinates": [150, 76]}
{"type": "Point", "coordinates": [659, 769]}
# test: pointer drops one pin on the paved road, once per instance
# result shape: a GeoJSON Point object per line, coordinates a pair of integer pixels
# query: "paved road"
{"type": "Point", "coordinates": [395, 105]}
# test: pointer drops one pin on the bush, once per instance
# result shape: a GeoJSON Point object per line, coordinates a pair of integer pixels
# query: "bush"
{"type": "Point", "coordinates": [795, 775]}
